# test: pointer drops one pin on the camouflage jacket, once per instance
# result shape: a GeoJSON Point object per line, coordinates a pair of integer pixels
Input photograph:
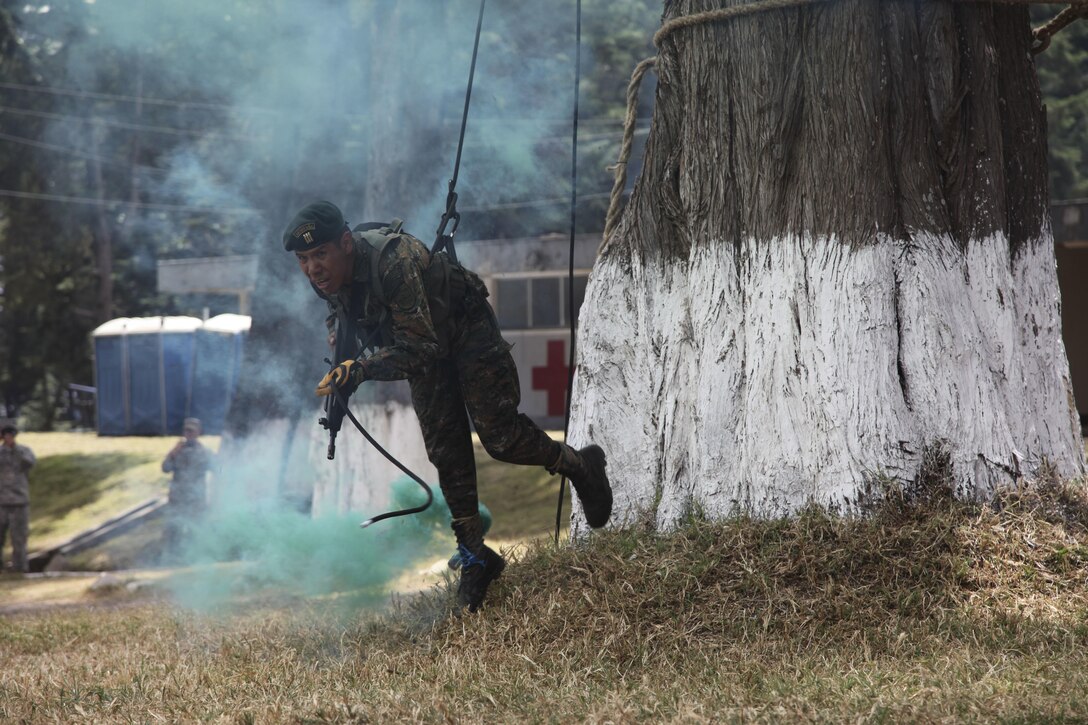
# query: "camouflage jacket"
{"type": "Point", "coordinates": [396, 322]}
{"type": "Point", "coordinates": [189, 466]}
{"type": "Point", "coordinates": [14, 485]}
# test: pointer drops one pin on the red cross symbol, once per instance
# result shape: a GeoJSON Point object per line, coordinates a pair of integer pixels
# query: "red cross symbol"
{"type": "Point", "coordinates": [552, 378]}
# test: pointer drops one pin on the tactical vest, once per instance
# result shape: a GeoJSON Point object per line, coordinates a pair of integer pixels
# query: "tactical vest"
{"type": "Point", "coordinates": [446, 283]}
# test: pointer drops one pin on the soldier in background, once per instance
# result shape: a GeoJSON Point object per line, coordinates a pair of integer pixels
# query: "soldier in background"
{"type": "Point", "coordinates": [15, 461]}
{"type": "Point", "coordinates": [189, 461]}
{"type": "Point", "coordinates": [428, 321]}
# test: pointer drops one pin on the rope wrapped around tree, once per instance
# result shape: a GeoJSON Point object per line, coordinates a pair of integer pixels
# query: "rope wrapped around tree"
{"type": "Point", "coordinates": [1075, 10]}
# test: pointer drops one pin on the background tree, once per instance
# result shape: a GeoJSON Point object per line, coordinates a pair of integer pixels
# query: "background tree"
{"type": "Point", "coordinates": [835, 260]}
{"type": "Point", "coordinates": [1064, 85]}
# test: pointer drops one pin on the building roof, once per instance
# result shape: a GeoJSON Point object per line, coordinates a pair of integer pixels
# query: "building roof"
{"type": "Point", "coordinates": [146, 326]}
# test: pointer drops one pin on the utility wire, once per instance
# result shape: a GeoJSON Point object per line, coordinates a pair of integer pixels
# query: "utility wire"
{"type": "Point", "coordinates": [91, 201]}
{"type": "Point", "coordinates": [76, 152]}
{"type": "Point", "coordinates": [118, 124]}
{"type": "Point", "coordinates": [151, 100]}
{"type": "Point", "coordinates": [537, 202]}
{"type": "Point", "coordinates": [201, 133]}
{"type": "Point", "coordinates": [150, 206]}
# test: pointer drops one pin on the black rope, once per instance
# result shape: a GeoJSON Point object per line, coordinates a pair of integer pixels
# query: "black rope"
{"type": "Point", "coordinates": [389, 456]}
{"type": "Point", "coordinates": [570, 271]}
{"type": "Point", "coordinates": [442, 240]}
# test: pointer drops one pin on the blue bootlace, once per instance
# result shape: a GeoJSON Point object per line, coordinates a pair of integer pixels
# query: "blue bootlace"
{"type": "Point", "coordinates": [468, 558]}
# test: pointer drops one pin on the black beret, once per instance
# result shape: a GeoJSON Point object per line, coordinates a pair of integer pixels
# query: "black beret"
{"type": "Point", "coordinates": [314, 225]}
{"type": "Point", "coordinates": [8, 429]}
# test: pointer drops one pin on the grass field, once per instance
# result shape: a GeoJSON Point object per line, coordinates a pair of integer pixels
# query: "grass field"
{"type": "Point", "coordinates": [929, 610]}
{"type": "Point", "coordinates": [941, 613]}
{"type": "Point", "coordinates": [82, 479]}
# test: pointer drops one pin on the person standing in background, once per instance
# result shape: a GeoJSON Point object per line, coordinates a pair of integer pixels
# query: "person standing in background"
{"type": "Point", "coordinates": [189, 461]}
{"type": "Point", "coordinates": [15, 461]}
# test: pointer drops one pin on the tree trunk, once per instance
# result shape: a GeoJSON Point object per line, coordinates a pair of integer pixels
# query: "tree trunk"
{"type": "Point", "coordinates": [837, 256]}
{"type": "Point", "coordinates": [103, 242]}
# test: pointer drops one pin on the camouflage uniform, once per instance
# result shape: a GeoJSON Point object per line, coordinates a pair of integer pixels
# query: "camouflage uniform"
{"type": "Point", "coordinates": [186, 502]}
{"type": "Point", "coordinates": [428, 321]}
{"type": "Point", "coordinates": [15, 500]}
{"type": "Point", "coordinates": [463, 364]}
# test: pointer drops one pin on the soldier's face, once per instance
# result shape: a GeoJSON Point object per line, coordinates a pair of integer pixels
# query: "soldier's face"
{"type": "Point", "coordinates": [329, 266]}
{"type": "Point", "coordinates": [9, 439]}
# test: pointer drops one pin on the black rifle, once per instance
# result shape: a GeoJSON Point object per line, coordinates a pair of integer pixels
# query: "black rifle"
{"type": "Point", "coordinates": [347, 348]}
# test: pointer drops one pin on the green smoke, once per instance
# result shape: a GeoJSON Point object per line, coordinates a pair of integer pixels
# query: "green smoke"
{"type": "Point", "coordinates": [242, 552]}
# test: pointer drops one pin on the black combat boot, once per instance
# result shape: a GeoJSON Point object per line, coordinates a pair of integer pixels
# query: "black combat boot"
{"type": "Point", "coordinates": [585, 469]}
{"type": "Point", "coordinates": [480, 565]}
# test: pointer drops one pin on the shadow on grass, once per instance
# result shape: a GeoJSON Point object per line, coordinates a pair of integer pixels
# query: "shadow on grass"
{"type": "Point", "coordinates": [64, 483]}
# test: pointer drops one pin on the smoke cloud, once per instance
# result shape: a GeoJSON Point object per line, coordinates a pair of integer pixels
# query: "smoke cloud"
{"type": "Point", "coordinates": [264, 550]}
{"type": "Point", "coordinates": [261, 107]}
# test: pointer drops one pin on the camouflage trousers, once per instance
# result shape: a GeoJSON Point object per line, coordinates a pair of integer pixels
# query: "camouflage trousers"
{"type": "Point", "coordinates": [181, 519]}
{"type": "Point", "coordinates": [478, 375]}
{"type": "Point", "coordinates": [15, 519]}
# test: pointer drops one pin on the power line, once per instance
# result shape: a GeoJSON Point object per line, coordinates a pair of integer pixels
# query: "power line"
{"type": "Point", "coordinates": [150, 206]}
{"type": "Point", "coordinates": [150, 100]}
{"type": "Point", "coordinates": [198, 133]}
{"type": "Point", "coordinates": [207, 105]}
{"type": "Point", "coordinates": [118, 124]}
{"type": "Point", "coordinates": [534, 203]}
{"type": "Point", "coordinates": [76, 152]}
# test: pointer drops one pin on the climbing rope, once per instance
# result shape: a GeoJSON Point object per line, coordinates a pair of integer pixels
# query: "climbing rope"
{"type": "Point", "coordinates": [442, 238]}
{"type": "Point", "coordinates": [620, 167]}
{"type": "Point", "coordinates": [712, 16]}
{"type": "Point", "coordinates": [1042, 35]}
{"type": "Point", "coordinates": [570, 270]}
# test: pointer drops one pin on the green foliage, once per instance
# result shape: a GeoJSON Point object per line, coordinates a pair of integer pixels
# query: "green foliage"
{"type": "Point", "coordinates": [1064, 83]}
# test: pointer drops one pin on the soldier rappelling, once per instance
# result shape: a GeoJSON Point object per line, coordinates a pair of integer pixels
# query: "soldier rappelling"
{"type": "Point", "coordinates": [424, 318]}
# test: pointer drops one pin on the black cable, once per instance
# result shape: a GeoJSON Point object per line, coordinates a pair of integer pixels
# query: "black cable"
{"type": "Point", "coordinates": [389, 456]}
{"type": "Point", "coordinates": [570, 274]}
{"type": "Point", "coordinates": [468, 95]}
{"type": "Point", "coordinates": [442, 240]}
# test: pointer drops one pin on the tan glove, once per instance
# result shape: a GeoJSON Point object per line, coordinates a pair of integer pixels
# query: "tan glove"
{"type": "Point", "coordinates": [346, 376]}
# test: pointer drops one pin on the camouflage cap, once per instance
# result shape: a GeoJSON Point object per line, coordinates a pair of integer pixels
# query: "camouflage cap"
{"type": "Point", "coordinates": [316, 224]}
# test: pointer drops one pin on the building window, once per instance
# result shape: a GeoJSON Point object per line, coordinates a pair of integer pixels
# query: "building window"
{"type": "Point", "coordinates": [513, 303]}
{"type": "Point", "coordinates": [545, 304]}
{"type": "Point", "coordinates": [1071, 215]}
{"type": "Point", "coordinates": [539, 301]}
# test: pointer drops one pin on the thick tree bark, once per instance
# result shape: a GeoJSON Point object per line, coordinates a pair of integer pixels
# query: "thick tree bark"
{"type": "Point", "coordinates": [838, 254]}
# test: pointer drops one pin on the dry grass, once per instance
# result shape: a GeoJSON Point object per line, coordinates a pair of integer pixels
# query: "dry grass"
{"type": "Point", "coordinates": [930, 612]}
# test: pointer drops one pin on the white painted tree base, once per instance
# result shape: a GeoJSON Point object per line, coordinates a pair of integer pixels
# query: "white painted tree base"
{"type": "Point", "coordinates": [790, 371]}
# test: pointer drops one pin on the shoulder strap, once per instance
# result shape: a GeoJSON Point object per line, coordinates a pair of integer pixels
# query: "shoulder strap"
{"type": "Point", "coordinates": [378, 236]}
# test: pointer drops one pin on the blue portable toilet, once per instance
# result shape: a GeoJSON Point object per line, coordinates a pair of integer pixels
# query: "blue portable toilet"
{"type": "Point", "coordinates": [219, 343]}
{"type": "Point", "coordinates": [143, 372]}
